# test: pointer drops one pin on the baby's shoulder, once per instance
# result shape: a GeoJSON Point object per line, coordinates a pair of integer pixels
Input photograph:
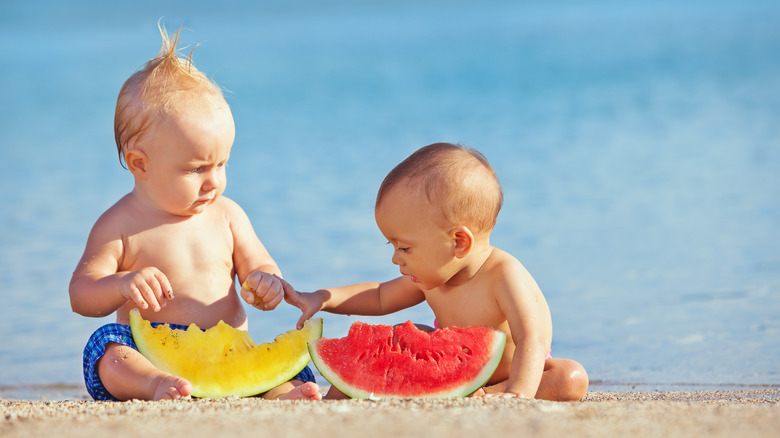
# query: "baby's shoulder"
{"type": "Point", "coordinates": [227, 207]}
{"type": "Point", "coordinates": [121, 213]}
{"type": "Point", "coordinates": [504, 268]}
{"type": "Point", "coordinates": [500, 259]}
{"type": "Point", "coordinates": [226, 203]}
{"type": "Point", "coordinates": [118, 221]}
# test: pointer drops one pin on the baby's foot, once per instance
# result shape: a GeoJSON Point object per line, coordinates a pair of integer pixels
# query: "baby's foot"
{"type": "Point", "coordinates": [479, 393]}
{"type": "Point", "coordinates": [172, 388]}
{"type": "Point", "coordinates": [307, 391]}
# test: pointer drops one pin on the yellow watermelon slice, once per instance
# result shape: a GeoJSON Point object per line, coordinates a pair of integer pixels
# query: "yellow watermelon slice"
{"type": "Point", "coordinates": [381, 361]}
{"type": "Point", "coordinates": [224, 361]}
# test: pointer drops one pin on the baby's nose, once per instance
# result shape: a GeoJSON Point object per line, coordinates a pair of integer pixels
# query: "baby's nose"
{"type": "Point", "coordinates": [212, 181]}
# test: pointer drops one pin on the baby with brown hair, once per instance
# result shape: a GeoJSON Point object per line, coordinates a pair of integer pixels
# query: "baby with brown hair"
{"type": "Point", "coordinates": [438, 208]}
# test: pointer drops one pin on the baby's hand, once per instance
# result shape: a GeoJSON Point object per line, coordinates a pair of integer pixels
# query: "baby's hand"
{"type": "Point", "coordinates": [146, 287]}
{"type": "Point", "coordinates": [498, 390]}
{"type": "Point", "coordinates": [309, 303]}
{"type": "Point", "coordinates": [262, 290]}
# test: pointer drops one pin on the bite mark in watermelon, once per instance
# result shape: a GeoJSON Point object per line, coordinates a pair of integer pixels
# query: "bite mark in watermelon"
{"type": "Point", "coordinates": [378, 361]}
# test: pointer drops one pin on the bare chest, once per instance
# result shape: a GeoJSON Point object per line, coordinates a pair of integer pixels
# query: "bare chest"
{"type": "Point", "coordinates": [187, 252]}
{"type": "Point", "coordinates": [465, 306]}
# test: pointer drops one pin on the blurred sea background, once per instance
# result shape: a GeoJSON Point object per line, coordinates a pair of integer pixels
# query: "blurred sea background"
{"type": "Point", "coordinates": [638, 144]}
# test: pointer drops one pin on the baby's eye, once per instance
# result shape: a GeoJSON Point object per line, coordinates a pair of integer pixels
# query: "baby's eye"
{"type": "Point", "coordinates": [195, 171]}
{"type": "Point", "coordinates": [403, 249]}
{"type": "Point", "coordinates": [399, 248]}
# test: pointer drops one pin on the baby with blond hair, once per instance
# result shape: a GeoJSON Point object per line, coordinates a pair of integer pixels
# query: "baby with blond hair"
{"type": "Point", "coordinates": [438, 208]}
{"type": "Point", "coordinates": [173, 246]}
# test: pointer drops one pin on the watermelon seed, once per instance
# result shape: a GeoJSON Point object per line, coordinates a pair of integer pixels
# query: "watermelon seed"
{"type": "Point", "coordinates": [466, 350]}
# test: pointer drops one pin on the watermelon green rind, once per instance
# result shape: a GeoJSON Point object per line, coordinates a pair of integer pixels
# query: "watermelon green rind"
{"type": "Point", "coordinates": [497, 352]}
{"type": "Point", "coordinates": [498, 342]}
{"type": "Point", "coordinates": [257, 380]}
{"type": "Point", "coordinates": [333, 378]}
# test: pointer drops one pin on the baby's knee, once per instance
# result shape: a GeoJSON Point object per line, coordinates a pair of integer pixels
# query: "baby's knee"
{"type": "Point", "coordinates": [576, 381]}
{"type": "Point", "coordinates": [112, 355]}
{"type": "Point", "coordinates": [566, 380]}
{"type": "Point", "coordinates": [117, 359]}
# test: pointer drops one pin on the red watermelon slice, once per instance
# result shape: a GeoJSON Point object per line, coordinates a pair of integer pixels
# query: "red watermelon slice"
{"type": "Point", "coordinates": [379, 361]}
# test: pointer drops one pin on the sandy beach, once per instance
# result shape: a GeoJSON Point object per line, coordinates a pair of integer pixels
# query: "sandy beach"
{"type": "Point", "coordinates": [754, 413]}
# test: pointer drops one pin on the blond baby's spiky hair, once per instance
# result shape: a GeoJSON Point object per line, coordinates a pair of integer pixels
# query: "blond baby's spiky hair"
{"type": "Point", "coordinates": [167, 84]}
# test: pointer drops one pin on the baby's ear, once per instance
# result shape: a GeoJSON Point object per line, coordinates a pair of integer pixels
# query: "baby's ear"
{"type": "Point", "coordinates": [463, 240]}
{"type": "Point", "coordinates": [137, 161]}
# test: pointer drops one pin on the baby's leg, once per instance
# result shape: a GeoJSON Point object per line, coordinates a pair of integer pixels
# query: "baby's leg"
{"type": "Point", "coordinates": [295, 390]}
{"type": "Point", "coordinates": [127, 375]}
{"type": "Point", "coordinates": [562, 380]}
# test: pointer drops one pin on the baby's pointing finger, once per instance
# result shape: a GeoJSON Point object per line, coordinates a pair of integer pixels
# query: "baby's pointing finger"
{"type": "Point", "coordinates": [290, 293]}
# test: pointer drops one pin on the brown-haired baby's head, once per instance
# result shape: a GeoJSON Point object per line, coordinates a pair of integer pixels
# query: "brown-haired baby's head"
{"type": "Point", "coordinates": [166, 85]}
{"type": "Point", "coordinates": [457, 179]}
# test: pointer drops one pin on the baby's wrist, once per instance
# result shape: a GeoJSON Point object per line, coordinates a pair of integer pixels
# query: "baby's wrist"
{"type": "Point", "coordinates": [321, 296]}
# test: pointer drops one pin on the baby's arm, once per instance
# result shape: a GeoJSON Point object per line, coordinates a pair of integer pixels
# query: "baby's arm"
{"type": "Point", "coordinates": [519, 297]}
{"type": "Point", "coordinates": [258, 274]}
{"type": "Point", "coordinates": [357, 299]}
{"type": "Point", "coordinates": [97, 289]}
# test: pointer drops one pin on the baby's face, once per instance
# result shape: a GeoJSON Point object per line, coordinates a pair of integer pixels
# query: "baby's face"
{"type": "Point", "coordinates": [187, 159]}
{"type": "Point", "coordinates": [422, 247]}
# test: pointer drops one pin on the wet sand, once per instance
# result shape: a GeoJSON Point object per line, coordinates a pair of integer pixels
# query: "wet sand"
{"type": "Point", "coordinates": [754, 413]}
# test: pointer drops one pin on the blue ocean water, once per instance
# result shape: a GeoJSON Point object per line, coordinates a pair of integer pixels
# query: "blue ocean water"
{"type": "Point", "coordinates": [638, 144]}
